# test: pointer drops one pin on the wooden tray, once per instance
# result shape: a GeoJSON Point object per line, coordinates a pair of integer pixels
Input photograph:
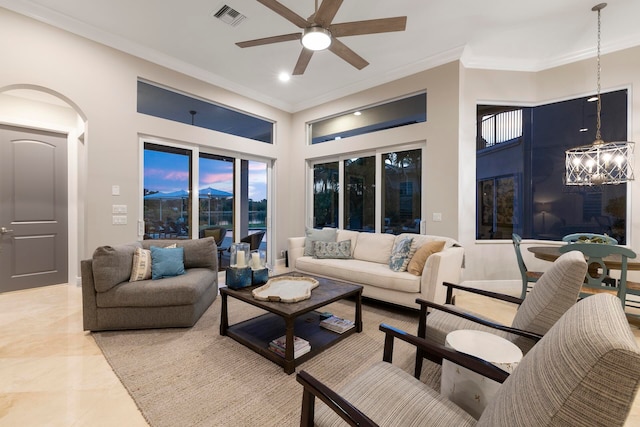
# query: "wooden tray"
{"type": "Point", "coordinates": [286, 289]}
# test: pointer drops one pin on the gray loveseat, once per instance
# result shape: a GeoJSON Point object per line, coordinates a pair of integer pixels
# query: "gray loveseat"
{"type": "Point", "coordinates": [110, 301]}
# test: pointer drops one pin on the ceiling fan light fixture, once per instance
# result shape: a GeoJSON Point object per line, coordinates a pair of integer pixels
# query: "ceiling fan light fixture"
{"type": "Point", "coordinates": [316, 38]}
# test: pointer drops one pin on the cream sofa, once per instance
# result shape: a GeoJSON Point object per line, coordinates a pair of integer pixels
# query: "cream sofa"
{"type": "Point", "coordinates": [369, 266]}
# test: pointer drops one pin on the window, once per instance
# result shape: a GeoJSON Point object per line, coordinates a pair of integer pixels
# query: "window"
{"type": "Point", "coordinates": [349, 186]}
{"type": "Point", "coordinates": [496, 208]}
{"type": "Point", "coordinates": [215, 185]}
{"type": "Point", "coordinates": [360, 197]}
{"type": "Point", "coordinates": [167, 104]}
{"type": "Point", "coordinates": [402, 187]}
{"type": "Point", "coordinates": [501, 127]}
{"type": "Point", "coordinates": [167, 174]}
{"type": "Point", "coordinates": [326, 189]}
{"type": "Point", "coordinates": [524, 178]}
{"type": "Point", "coordinates": [401, 112]}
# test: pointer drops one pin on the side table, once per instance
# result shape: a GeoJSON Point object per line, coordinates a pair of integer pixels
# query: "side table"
{"type": "Point", "coordinates": [465, 388]}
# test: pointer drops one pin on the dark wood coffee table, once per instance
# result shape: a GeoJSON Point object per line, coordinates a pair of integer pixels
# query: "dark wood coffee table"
{"type": "Point", "coordinates": [291, 319]}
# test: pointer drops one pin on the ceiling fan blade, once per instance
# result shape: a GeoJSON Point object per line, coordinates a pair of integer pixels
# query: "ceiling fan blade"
{"type": "Point", "coordinates": [326, 12]}
{"type": "Point", "coordinates": [269, 40]}
{"type": "Point", "coordinates": [347, 54]}
{"type": "Point", "coordinates": [303, 61]}
{"type": "Point", "coordinates": [373, 26]}
{"type": "Point", "coordinates": [286, 13]}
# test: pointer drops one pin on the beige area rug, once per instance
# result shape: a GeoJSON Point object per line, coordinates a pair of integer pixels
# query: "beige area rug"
{"type": "Point", "coordinates": [195, 377]}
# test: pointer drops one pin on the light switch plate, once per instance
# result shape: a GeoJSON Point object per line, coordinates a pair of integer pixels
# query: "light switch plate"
{"type": "Point", "coordinates": [437, 216]}
{"type": "Point", "coordinates": [119, 219]}
{"type": "Point", "coordinates": [119, 209]}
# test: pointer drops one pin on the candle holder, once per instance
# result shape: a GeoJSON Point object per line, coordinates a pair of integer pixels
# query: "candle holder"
{"type": "Point", "coordinates": [237, 278]}
{"type": "Point", "coordinates": [238, 275]}
{"type": "Point", "coordinates": [259, 272]}
{"type": "Point", "coordinates": [239, 255]}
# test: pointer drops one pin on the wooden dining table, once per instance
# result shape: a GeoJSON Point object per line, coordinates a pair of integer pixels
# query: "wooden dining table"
{"type": "Point", "coordinates": [614, 262]}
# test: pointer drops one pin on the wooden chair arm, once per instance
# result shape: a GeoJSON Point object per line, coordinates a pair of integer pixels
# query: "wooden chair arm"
{"type": "Point", "coordinates": [432, 350]}
{"type": "Point", "coordinates": [422, 327]}
{"type": "Point", "coordinates": [314, 388]}
{"type": "Point", "coordinates": [490, 294]}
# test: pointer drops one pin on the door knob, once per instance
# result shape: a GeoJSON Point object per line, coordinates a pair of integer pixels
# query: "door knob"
{"type": "Point", "coordinates": [4, 230]}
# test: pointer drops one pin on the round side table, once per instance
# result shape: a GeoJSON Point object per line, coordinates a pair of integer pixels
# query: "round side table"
{"type": "Point", "coordinates": [465, 388]}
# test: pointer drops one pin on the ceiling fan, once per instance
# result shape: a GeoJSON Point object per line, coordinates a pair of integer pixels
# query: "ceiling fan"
{"type": "Point", "coordinates": [318, 27]}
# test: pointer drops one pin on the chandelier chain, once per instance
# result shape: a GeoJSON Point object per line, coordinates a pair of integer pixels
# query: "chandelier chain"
{"type": "Point", "coordinates": [599, 106]}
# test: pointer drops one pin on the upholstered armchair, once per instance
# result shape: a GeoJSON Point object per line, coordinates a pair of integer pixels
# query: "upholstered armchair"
{"type": "Point", "coordinates": [585, 371]}
{"type": "Point", "coordinates": [555, 292]}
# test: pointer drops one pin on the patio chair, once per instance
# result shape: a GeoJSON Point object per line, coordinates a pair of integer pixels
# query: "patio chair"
{"type": "Point", "coordinates": [584, 371]}
{"type": "Point", "coordinates": [528, 277]}
{"type": "Point", "coordinates": [254, 240]}
{"type": "Point", "coordinates": [555, 292]}
{"type": "Point", "coordinates": [217, 232]}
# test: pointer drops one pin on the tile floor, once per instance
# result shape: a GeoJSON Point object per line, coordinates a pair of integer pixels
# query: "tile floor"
{"type": "Point", "coordinates": [53, 374]}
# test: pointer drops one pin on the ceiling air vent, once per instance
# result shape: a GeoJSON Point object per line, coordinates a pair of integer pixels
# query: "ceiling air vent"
{"type": "Point", "coordinates": [229, 15]}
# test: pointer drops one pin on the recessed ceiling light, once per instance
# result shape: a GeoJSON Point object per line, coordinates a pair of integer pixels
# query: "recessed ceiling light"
{"type": "Point", "coordinates": [592, 99]}
{"type": "Point", "coordinates": [284, 77]}
{"type": "Point", "coordinates": [357, 113]}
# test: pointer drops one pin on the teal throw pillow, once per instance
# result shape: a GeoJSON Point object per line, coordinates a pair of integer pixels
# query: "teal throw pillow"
{"type": "Point", "coordinates": [399, 258]}
{"type": "Point", "coordinates": [166, 262]}
{"type": "Point", "coordinates": [314, 235]}
{"type": "Point", "coordinates": [334, 250]}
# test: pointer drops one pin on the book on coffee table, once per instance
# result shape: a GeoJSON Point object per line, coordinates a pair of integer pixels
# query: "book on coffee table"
{"type": "Point", "coordinates": [337, 324]}
{"type": "Point", "coordinates": [300, 346]}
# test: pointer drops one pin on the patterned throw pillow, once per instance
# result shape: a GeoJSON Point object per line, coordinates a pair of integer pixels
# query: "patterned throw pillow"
{"type": "Point", "coordinates": [333, 250]}
{"type": "Point", "coordinates": [141, 269]}
{"type": "Point", "coordinates": [400, 254]}
{"type": "Point", "coordinates": [314, 235]}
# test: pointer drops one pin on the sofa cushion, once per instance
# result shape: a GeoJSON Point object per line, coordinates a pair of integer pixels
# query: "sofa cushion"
{"type": "Point", "coordinates": [112, 265]}
{"type": "Point", "coordinates": [141, 268]}
{"type": "Point", "coordinates": [198, 253]}
{"type": "Point", "coordinates": [170, 291]}
{"type": "Point", "coordinates": [166, 262]}
{"type": "Point", "coordinates": [419, 259]}
{"type": "Point", "coordinates": [335, 250]}
{"type": "Point", "coordinates": [400, 254]}
{"type": "Point", "coordinates": [324, 235]}
{"type": "Point", "coordinates": [358, 271]}
{"type": "Point", "coordinates": [374, 247]}
{"type": "Point", "coordinates": [348, 235]}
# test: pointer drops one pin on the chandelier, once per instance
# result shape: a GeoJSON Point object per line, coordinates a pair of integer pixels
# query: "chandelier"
{"type": "Point", "coordinates": [600, 162]}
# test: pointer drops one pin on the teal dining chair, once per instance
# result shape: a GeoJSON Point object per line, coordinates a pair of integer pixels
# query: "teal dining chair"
{"type": "Point", "coordinates": [528, 277]}
{"type": "Point", "coordinates": [598, 278]}
{"type": "Point", "coordinates": [589, 238]}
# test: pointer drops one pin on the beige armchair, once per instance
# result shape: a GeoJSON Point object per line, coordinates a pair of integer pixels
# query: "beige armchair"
{"type": "Point", "coordinates": [585, 371]}
{"type": "Point", "coordinates": [555, 292]}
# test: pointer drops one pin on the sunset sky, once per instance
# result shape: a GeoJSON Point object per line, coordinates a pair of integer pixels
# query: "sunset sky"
{"type": "Point", "coordinates": [168, 172]}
